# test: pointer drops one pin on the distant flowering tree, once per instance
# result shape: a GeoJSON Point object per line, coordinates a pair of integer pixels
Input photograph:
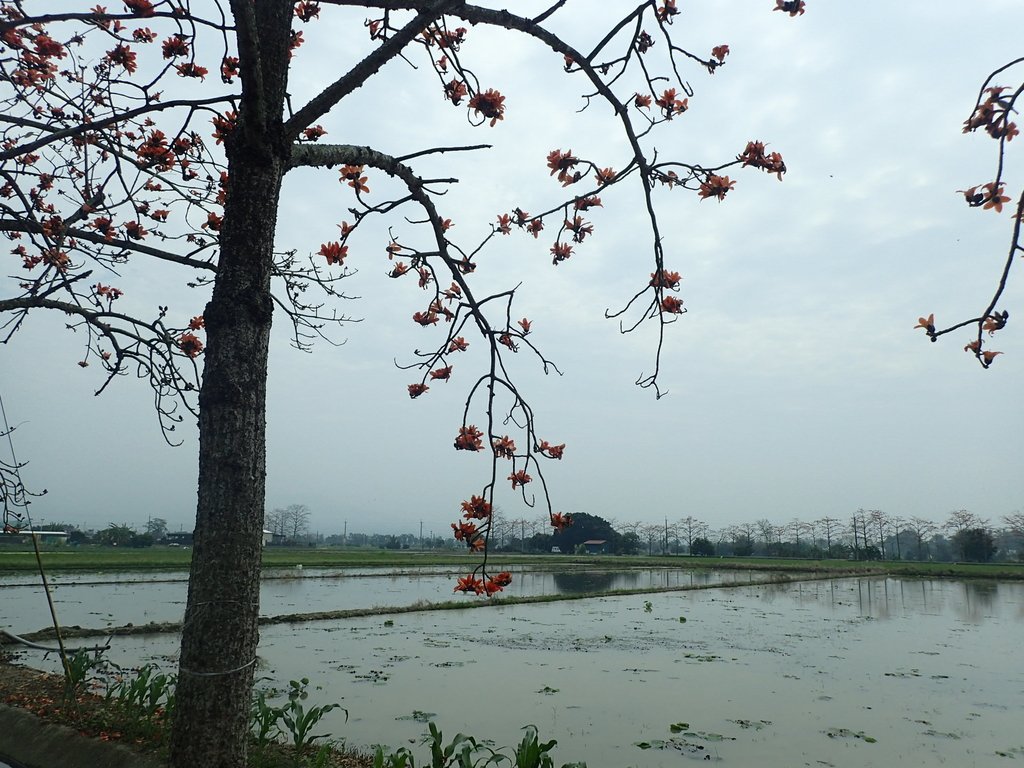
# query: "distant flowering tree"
{"type": "Point", "coordinates": [157, 133]}
{"type": "Point", "coordinates": [993, 114]}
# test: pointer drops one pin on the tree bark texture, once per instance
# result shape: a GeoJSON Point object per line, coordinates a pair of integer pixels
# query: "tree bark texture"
{"type": "Point", "coordinates": [220, 632]}
{"type": "Point", "coordinates": [219, 636]}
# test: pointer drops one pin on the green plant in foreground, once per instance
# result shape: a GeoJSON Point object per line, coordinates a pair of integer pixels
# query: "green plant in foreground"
{"type": "Point", "coordinates": [531, 753]}
{"type": "Point", "coordinates": [293, 719]}
{"type": "Point", "coordinates": [400, 758]}
{"type": "Point", "coordinates": [468, 752]}
{"type": "Point", "coordinates": [460, 752]}
{"type": "Point", "coordinates": [263, 721]}
{"type": "Point", "coordinates": [138, 704]}
{"type": "Point", "coordinates": [144, 701]}
{"type": "Point", "coordinates": [78, 671]}
{"type": "Point", "coordinates": [298, 720]}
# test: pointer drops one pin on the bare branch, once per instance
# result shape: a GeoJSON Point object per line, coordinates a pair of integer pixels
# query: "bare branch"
{"type": "Point", "coordinates": [322, 103]}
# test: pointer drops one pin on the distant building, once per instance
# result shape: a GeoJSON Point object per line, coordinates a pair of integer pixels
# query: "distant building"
{"type": "Point", "coordinates": [180, 538]}
{"type": "Point", "coordinates": [185, 538]}
{"type": "Point", "coordinates": [44, 537]}
{"type": "Point", "coordinates": [596, 546]}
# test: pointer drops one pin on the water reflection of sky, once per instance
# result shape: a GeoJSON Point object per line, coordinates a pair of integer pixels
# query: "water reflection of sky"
{"type": "Point", "coordinates": [777, 675]}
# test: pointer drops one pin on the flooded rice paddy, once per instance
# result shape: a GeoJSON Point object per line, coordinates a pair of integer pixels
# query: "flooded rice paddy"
{"type": "Point", "coordinates": [107, 600]}
{"type": "Point", "coordinates": [851, 673]}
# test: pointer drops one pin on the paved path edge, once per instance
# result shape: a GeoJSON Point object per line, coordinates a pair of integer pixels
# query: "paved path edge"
{"type": "Point", "coordinates": [34, 743]}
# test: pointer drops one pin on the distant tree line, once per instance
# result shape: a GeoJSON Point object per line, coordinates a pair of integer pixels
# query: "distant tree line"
{"type": "Point", "coordinates": [868, 534]}
{"type": "Point", "coordinates": [114, 535]}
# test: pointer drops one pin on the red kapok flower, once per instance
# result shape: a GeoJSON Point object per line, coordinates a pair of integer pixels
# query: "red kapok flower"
{"type": "Point", "coordinates": [229, 68]}
{"type": "Point", "coordinates": [672, 305]}
{"type": "Point", "coordinates": [490, 104]}
{"type": "Point", "coordinates": [552, 451]}
{"type": "Point", "coordinates": [792, 7]}
{"type": "Point", "coordinates": [994, 197]}
{"type": "Point", "coordinates": [415, 390]}
{"type": "Point", "coordinates": [140, 7]}
{"type": "Point", "coordinates": [192, 70]}
{"type": "Point", "coordinates": [442, 374]}
{"type": "Point", "coordinates": [464, 531]}
{"type": "Point", "coordinates": [670, 105]}
{"type": "Point", "coordinates": [353, 174]}
{"type": "Point", "coordinates": [995, 322]}
{"type": "Point", "coordinates": [667, 11]}
{"type": "Point", "coordinates": [307, 10]}
{"type": "Point", "coordinates": [314, 133]}
{"type": "Point", "coordinates": [123, 56]}
{"type": "Point", "coordinates": [928, 323]}
{"type": "Point", "coordinates": [470, 584]}
{"type": "Point", "coordinates": [224, 125]}
{"type": "Point", "coordinates": [519, 478]}
{"type": "Point", "coordinates": [455, 91]}
{"type": "Point", "coordinates": [585, 203]}
{"type": "Point", "coordinates": [334, 252]}
{"type": "Point", "coordinates": [175, 45]}
{"type": "Point", "coordinates": [190, 344]}
{"type": "Point", "coordinates": [562, 163]}
{"type": "Point", "coordinates": [560, 252]}
{"type": "Point", "coordinates": [560, 522]}
{"type": "Point", "coordinates": [504, 447]}
{"type": "Point", "coordinates": [468, 439]}
{"type": "Point", "coordinates": [665, 279]}
{"type": "Point", "coordinates": [477, 508]}
{"type": "Point", "coordinates": [716, 186]}
{"type": "Point", "coordinates": [135, 230]}
{"type": "Point", "coordinates": [108, 291]}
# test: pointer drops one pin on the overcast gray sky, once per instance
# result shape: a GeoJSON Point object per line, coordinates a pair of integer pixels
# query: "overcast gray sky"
{"type": "Point", "coordinates": [797, 385]}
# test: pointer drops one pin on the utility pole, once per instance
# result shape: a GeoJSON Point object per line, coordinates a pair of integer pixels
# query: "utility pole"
{"type": "Point", "coordinates": [421, 535]}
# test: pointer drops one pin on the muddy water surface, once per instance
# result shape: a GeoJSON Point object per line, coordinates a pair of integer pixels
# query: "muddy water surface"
{"type": "Point", "coordinates": [850, 673]}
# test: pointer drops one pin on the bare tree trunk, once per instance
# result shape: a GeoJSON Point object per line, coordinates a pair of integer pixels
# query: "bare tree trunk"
{"type": "Point", "coordinates": [219, 636]}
